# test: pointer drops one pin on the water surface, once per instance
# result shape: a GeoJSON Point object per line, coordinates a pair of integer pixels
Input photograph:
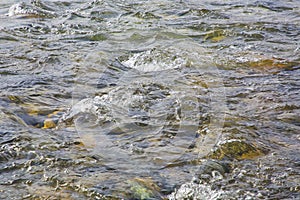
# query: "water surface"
{"type": "Point", "coordinates": [149, 99]}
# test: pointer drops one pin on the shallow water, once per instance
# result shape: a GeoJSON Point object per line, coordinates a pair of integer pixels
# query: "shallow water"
{"type": "Point", "coordinates": [149, 99]}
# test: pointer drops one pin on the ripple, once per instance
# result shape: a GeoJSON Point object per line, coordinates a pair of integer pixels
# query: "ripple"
{"type": "Point", "coordinates": [153, 87]}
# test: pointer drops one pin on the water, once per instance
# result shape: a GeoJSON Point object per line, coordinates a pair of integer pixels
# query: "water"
{"type": "Point", "coordinates": [149, 99]}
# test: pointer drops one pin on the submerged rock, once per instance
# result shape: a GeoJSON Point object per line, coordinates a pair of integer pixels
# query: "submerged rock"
{"type": "Point", "coordinates": [30, 114]}
{"type": "Point", "coordinates": [144, 188]}
{"type": "Point", "coordinates": [236, 149]}
{"type": "Point", "coordinates": [209, 166]}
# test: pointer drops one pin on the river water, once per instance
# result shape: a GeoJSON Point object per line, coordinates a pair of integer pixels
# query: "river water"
{"type": "Point", "coordinates": [149, 99]}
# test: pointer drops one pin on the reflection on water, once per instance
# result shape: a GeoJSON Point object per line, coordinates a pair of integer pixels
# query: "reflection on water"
{"type": "Point", "coordinates": [149, 99]}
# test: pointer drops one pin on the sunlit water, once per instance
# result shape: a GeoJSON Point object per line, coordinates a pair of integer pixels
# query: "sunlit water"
{"type": "Point", "coordinates": [149, 99]}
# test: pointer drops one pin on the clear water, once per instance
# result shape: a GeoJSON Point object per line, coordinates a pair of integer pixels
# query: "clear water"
{"type": "Point", "coordinates": [146, 99]}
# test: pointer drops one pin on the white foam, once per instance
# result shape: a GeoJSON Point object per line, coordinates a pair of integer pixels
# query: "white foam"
{"type": "Point", "coordinates": [154, 60]}
{"type": "Point", "coordinates": [193, 190]}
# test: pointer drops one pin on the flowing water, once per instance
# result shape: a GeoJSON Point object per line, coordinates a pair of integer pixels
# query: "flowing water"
{"type": "Point", "coordinates": [149, 99]}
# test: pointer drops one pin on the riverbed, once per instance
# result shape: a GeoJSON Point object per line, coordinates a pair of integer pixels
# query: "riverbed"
{"type": "Point", "coordinates": [149, 99]}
